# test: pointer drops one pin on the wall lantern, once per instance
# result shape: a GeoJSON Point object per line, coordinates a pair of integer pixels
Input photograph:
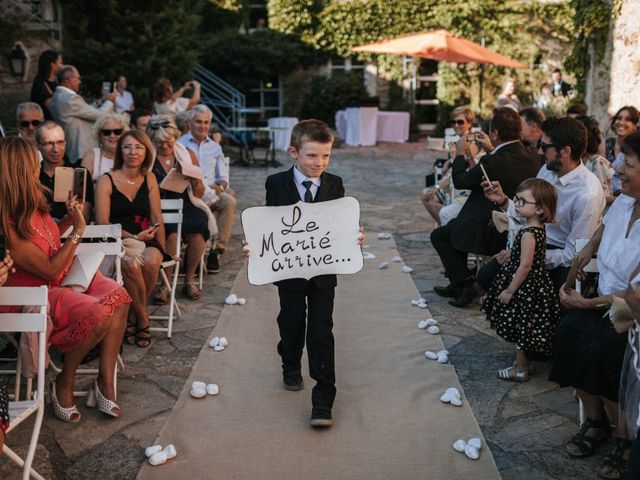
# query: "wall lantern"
{"type": "Point", "coordinates": [19, 60]}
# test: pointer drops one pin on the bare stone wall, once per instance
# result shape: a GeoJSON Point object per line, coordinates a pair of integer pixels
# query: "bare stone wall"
{"type": "Point", "coordinates": [615, 82]}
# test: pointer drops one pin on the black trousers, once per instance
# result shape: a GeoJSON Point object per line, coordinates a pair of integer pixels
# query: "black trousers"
{"type": "Point", "coordinates": [454, 261]}
{"type": "Point", "coordinates": [489, 271]}
{"type": "Point", "coordinates": [293, 322]}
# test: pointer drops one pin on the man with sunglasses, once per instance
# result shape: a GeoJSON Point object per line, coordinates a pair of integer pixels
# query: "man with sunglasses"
{"type": "Point", "coordinates": [29, 115]}
{"type": "Point", "coordinates": [581, 199]}
{"type": "Point", "coordinates": [51, 144]}
{"type": "Point", "coordinates": [75, 115]}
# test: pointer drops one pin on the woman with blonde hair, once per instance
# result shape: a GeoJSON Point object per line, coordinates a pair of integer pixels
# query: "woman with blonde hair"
{"type": "Point", "coordinates": [81, 320]}
{"type": "Point", "coordinates": [198, 222]}
{"type": "Point", "coordinates": [129, 195]}
{"type": "Point", "coordinates": [108, 129]}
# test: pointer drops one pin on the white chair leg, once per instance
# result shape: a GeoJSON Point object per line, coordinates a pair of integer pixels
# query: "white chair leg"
{"type": "Point", "coordinates": [11, 455]}
{"type": "Point", "coordinates": [18, 381]}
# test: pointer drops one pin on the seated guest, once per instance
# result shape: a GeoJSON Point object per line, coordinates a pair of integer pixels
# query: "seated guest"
{"type": "Point", "coordinates": [74, 115]}
{"type": "Point", "coordinates": [29, 115]}
{"type": "Point", "coordinates": [51, 144]}
{"type": "Point", "coordinates": [509, 162]}
{"type": "Point", "coordinates": [129, 195]}
{"type": "Point", "coordinates": [168, 102]}
{"type": "Point", "coordinates": [624, 123]}
{"type": "Point", "coordinates": [580, 197]}
{"type": "Point", "coordinates": [45, 83]}
{"type": "Point", "coordinates": [81, 321]}
{"type": "Point", "coordinates": [462, 119]}
{"type": "Point", "coordinates": [223, 202]}
{"type": "Point", "coordinates": [508, 97]}
{"type": "Point", "coordinates": [108, 130]}
{"type": "Point", "coordinates": [124, 99]}
{"type": "Point", "coordinates": [576, 110]}
{"type": "Point", "coordinates": [588, 352]}
{"type": "Point", "coordinates": [182, 122]}
{"type": "Point", "coordinates": [531, 119]}
{"type": "Point", "coordinates": [139, 119]}
{"type": "Point", "coordinates": [6, 265]}
{"type": "Point", "coordinates": [596, 163]}
{"type": "Point", "coordinates": [196, 215]}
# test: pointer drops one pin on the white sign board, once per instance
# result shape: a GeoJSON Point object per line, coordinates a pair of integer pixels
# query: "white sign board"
{"type": "Point", "coordinates": [303, 240]}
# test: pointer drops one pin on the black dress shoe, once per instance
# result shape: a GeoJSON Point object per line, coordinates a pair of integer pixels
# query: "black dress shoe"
{"type": "Point", "coordinates": [468, 295]}
{"type": "Point", "coordinates": [448, 291]}
{"type": "Point", "coordinates": [321, 417]}
{"type": "Point", "coordinates": [293, 382]}
{"type": "Point", "coordinates": [213, 265]}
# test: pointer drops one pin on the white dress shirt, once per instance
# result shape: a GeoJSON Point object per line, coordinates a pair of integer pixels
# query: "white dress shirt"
{"type": "Point", "coordinates": [618, 254]}
{"type": "Point", "coordinates": [210, 156]}
{"type": "Point", "coordinates": [124, 101]}
{"type": "Point", "coordinates": [299, 177]}
{"type": "Point", "coordinates": [578, 212]}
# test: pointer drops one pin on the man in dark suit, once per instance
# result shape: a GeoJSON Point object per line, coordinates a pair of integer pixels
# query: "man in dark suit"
{"type": "Point", "coordinates": [472, 231]}
{"type": "Point", "coordinates": [311, 142]}
{"type": "Point", "coordinates": [558, 85]}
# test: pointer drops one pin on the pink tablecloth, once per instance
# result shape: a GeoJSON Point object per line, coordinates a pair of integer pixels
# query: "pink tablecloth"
{"type": "Point", "coordinates": [393, 127]}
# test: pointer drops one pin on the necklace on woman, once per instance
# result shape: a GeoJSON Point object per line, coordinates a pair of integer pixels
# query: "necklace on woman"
{"type": "Point", "coordinates": [53, 248]}
{"type": "Point", "coordinates": [168, 161]}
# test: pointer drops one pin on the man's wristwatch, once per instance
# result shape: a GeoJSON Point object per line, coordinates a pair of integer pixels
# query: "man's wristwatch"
{"type": "Point", "coordinates": [75, 238]}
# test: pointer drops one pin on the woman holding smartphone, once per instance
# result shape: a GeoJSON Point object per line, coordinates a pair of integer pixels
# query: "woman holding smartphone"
{"type": "Point", "coordinates": [129, 195]}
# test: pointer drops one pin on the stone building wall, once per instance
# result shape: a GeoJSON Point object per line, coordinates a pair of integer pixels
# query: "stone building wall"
{"type": "Point", "coordinates": [615, 82]}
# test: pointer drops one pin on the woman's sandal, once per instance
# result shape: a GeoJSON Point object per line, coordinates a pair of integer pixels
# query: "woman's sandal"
{"type": "Point", "coordinates": [143, 341]}
{"type": "Point", "coordinates": [587, 445]}
{"type": "Point", "coordinates": [71, 414]}
{"type": "Point", "coordinates": [130, 332]}
{"type": "Point", "coordinates": [513, 374]}
{"type": "Point", "coordinates": [191, 290]}
{"type": "Point", "coordinates": [614, 466]}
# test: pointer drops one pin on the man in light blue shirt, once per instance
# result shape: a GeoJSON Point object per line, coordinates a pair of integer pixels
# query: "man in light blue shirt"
{"type": "Point", "coordinates": [209, 153]}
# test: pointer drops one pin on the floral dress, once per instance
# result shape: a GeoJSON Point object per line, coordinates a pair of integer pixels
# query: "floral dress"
{"type": "Point", "coordinates": [4, 407]}
{"type": "Point", "coordinates": [529, 319]}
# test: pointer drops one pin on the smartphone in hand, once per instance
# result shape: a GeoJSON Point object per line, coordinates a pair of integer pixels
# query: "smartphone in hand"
{"type": "Point", "coordinates": [484, 172]}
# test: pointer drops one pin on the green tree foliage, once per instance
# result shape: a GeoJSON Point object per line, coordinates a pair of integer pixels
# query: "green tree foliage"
{"type": "Point", "coordinates": [330, 94]}
{"type": "Point", "coordinates": [297, 17]}
{"type": "Point", "coordinates": [242, 60]}
{"type": "Point", "coordinates": [129, 37]}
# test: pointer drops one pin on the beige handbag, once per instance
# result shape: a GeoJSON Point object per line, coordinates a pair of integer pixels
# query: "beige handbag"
{"type": "Point", "coordinates": [620, 315]}
{"type": "Point", "coordinates": [134, 248]}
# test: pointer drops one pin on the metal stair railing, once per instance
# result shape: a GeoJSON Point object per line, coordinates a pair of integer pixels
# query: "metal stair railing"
{"type": "Point", "coordinates": [227, 103]}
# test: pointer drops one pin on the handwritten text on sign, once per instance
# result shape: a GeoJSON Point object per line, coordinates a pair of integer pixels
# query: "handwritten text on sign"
{"type": "Point", "coordinates": [303, 240]}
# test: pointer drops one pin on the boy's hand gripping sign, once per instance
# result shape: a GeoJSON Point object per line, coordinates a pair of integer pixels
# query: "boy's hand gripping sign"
{"type": "Point", "coordinates": [303, 240]}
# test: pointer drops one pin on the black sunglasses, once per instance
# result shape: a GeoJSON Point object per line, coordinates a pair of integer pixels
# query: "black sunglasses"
{"type": "Point", "coordinates": [27, 123]}
{"type": "Point", "coordinates": [545, 146]}
{"type": "Point", "coordinates": [112, 131]}
{"type": "Point", "coordinates": [457, 122]}
{"type": "Point", "coordinates": [157, 124]}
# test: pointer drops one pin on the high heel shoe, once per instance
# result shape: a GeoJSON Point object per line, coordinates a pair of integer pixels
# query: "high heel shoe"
{"type": "Point", "coordinates": [104, 404]}
{"type": "Point", "coordinates": [64, 414]}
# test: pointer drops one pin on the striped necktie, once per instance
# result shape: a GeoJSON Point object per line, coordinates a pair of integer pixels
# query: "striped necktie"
{"type": "Point", "coordinates": [308, 197]}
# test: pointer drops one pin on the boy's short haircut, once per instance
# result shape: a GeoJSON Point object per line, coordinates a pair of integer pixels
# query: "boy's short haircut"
{"type": "Point", "coordinates": [532, 115]}
{"type": "Point", "coordinates": [545, 196]}
{"type": "Point", "coordinates": [310, 131]}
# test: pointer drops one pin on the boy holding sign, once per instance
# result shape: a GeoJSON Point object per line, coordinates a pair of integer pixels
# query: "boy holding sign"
{"type": "Point", "coordinates": [307, 181]}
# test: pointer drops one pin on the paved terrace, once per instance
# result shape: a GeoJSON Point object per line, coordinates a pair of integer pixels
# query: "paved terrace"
{"type": "Point", "coordinates": [525, 425]}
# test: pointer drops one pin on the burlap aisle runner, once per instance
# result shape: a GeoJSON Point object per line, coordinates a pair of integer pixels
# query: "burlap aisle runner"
{"type": "Point", "coordinates": [388, 420]}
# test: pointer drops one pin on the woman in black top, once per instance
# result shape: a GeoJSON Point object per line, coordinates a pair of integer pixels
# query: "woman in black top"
{"type": "Point", "coordinates": [129, 195]}
{"type": "Point", "coordinates": [49, 63]}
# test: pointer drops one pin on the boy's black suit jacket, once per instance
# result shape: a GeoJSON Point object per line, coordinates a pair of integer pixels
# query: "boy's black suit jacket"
{"type": "Point", "coordinates": [281, 191]}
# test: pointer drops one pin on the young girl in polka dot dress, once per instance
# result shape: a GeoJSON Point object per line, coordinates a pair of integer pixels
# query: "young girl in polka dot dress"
{"type": "Point", "coordinates": [522, 303]}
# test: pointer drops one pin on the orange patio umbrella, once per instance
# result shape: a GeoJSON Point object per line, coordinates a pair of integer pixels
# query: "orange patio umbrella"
{"type": "Point", "coordinates": [439, 45]}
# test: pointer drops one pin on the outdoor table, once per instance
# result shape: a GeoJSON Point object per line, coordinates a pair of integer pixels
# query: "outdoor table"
{"type": "Point", "coordinates": [358, 126]}
{"type": "Point", "coordinates": [393, 127]}
{"type": "Point", "coordinates": [247, 156]}
{"type": "Point", "coordinates": [282, 138]}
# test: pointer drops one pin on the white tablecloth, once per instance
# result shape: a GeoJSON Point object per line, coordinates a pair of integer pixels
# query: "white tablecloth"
{"type": "Point", "coordinates": [393, 127]}
{"type": "Point", "coordinates": [358, 126]}
{"type": "Point", "coordinates": [282, 137]}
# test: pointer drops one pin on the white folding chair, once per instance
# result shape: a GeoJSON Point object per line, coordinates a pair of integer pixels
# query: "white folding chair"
{"type": "Point", "coordinates": [27, 322]}
{"type": "Point", "coordinates": [591, 267]}
{"type": "Point", "coordinates": [106, 239]}
{"type": "Point", "coordinates": [171, 214]}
